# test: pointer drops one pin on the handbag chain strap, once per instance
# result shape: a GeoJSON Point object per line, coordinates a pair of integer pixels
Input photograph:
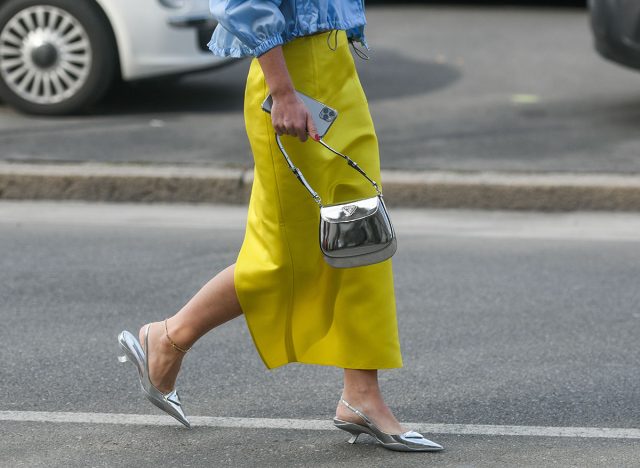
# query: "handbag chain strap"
{"type": "Point", "coordinates": [304, 182]}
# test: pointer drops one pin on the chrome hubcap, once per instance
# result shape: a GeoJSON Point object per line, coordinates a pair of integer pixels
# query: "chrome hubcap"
{"type": "Point", "coordinates": [45, 54]}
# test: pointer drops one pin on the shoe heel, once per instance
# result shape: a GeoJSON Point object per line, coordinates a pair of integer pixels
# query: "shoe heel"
{"type": "Point", "coordinates": [354, 429]}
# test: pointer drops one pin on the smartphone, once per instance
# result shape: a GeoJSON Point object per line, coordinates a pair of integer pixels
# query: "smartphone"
{"type": "Point", "coordinates": [323, 115]}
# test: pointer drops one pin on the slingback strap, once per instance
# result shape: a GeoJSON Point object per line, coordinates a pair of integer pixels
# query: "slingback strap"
{"type": "Point", "coordinates": [304, 182]}
{"type": "Point", "coordinates": [355, 410]}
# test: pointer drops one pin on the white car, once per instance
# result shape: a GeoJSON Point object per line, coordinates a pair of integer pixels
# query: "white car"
{"type": "Point", "coordinates": [59, 56]}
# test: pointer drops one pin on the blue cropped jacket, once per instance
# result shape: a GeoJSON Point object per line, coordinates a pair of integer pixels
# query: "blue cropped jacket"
{"type": "Point", "coordinates": [252, 27]}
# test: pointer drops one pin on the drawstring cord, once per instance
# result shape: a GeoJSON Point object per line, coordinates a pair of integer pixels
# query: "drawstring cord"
{"type": "Point", "coordinates": [333, 33]}
{"type": "Point", "coordinates": [359, 52]}
{"type": "Point", "coordinates": [333, 36]}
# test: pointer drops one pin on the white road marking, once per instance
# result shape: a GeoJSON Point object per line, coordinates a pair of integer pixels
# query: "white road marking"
{"type": "Point", "coordinates": [525, 99]}
{"type": "Point", "coordinates": [314, 424]}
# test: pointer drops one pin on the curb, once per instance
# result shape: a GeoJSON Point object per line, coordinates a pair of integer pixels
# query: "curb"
{"type": "Point", "coordinates": [425, 189]}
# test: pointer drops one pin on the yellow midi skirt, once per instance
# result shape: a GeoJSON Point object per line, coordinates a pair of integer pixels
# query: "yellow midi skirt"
{"type": "Point", "coordinates": [297, 307]}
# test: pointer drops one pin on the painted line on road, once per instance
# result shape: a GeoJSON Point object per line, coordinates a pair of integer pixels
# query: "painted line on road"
{"type": "Point", "coordinates": [314, 424]}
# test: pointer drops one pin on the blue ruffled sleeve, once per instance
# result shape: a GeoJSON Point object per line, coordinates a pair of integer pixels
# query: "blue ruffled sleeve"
{"type": "Point", "coordinates": [246, 27]}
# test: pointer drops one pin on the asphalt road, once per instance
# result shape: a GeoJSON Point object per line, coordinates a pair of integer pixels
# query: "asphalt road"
{"type": "Point", "coordinates": [451, 88]}
{"type": "Point", "coordinates": [520, 319]}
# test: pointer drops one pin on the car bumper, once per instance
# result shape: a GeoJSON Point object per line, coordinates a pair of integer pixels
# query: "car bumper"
{"type": "Point", "coordinates": [167, 42]}
{"type": "Point", "coordinates": [203, 25]}
{"type": "Point", "coordinates": [616, 28]}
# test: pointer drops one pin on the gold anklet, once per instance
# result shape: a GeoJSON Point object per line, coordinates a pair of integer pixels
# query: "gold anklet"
{"type": "Point", "coordinates": [171, 341]}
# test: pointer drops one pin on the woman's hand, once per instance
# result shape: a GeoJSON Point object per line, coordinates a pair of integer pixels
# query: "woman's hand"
{"type": "Point", "coordinates": [289, 115]}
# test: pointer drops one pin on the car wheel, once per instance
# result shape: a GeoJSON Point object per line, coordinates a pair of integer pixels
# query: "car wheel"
{"type": "Point", "coordinates": [56, 56]}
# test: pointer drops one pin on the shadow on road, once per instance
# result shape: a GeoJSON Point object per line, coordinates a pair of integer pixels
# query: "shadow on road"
{"type": "Point", "coordinates": [386, 75]}
{"type": "Point", "coordinates": [391, 75]}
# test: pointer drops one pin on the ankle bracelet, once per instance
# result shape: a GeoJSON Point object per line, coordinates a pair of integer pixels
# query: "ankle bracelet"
{"type": "Point", "coordinates": [175, 346]}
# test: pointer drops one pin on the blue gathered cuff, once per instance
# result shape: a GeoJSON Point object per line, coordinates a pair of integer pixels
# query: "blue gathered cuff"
{"type": "Point", "coordinates": [268, 45]}
{"type": "Point", "coordinates": [243, 50]}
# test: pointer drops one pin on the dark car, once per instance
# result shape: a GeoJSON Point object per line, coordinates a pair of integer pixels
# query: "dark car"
{"type": "Point", "coordinates": [616, 28]}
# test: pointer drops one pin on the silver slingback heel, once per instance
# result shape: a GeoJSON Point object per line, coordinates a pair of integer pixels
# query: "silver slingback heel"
{"type": "Point", "coordinates": [409, 441]}
{"type": "Point", "coordinates": [170, 402]}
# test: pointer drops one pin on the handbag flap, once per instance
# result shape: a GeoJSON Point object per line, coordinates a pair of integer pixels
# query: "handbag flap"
{"type": "Point", "coordinates": [347, 212]}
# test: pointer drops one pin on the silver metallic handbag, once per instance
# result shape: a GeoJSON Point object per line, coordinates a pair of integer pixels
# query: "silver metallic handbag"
{"type": "Point", "coordinates": [352, 234]}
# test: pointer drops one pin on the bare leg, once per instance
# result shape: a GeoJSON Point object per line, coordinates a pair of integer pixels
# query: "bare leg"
{"type": "Point", "coordinates": [361, 390]}
{"type": "Point", "coordinates": [215, 304]}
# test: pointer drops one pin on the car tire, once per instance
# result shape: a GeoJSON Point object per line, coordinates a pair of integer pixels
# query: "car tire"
{"type": "Point", "coordinates": [56, 56]}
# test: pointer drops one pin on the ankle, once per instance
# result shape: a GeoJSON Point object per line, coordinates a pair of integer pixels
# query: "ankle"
{"type": "Point", "coordinates": [361, 392]}
{"type": "Point", "coordinates": [176, 337]}
{"type": "Point", "coordinates": [165, 345]}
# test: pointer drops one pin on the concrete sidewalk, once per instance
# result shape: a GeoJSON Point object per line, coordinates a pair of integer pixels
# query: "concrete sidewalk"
{"type": "Point", "coordinates": [433, 189]}
{"type": "Point", "coordinates": [459, 126]}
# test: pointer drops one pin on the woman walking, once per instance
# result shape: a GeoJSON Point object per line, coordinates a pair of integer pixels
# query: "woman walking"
{"type": "Point", "coordinates": [297, 307]}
